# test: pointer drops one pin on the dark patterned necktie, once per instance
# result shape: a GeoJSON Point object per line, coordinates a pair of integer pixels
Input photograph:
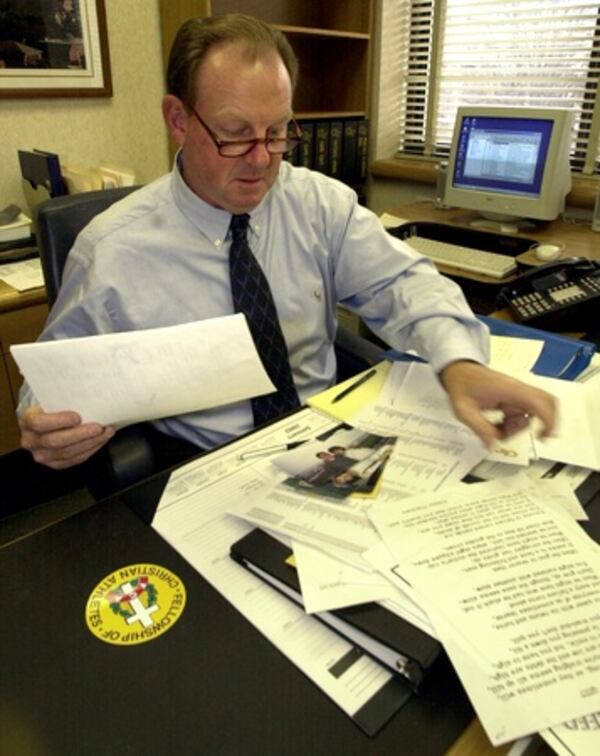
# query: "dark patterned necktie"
{"type": "Point", "coordinates": [252, 296]}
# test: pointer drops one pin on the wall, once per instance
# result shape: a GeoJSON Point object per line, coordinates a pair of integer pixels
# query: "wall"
{"type": "Point", "coordinates": [126, 129]}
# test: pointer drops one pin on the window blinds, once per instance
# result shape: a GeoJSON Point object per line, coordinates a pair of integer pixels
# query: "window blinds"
{"type": "Point", "coordinates": [536, 53]}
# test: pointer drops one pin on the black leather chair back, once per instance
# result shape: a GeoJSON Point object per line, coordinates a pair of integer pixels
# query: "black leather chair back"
{"type": "Point", "coordinates": [128, 457]}
{"type": "Point", "coordinates": [59, 221]}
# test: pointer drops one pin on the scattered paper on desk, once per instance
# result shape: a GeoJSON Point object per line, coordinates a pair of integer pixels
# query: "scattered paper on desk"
{"type": "Point", "coordinates": [123, 378]}
{"type": "Point", "coordinates": [19, 228]}
{"type": "Point", "coordinates": [577, 737]}
{"type": "Point", "coordinates": [23, 275]}
{"type": "Point", "coordinates": [576, 441]}
{"type": "Point", "coordinates": [592, 371]}
{"type": "Point", "coordinates": [392, 221]}
{"type": "Point", "coordinates": [192, 517]}
{"type": "Point", "coordinates": [509, 354]}
{"type": "Point", "coordinates": [412, 400]}
{"type": "Point", "coordinates": [344, 525]}
{"type": "Point", "coordinates": [512, 586]}
{"type": "Point", "coordinates": [328, 584]}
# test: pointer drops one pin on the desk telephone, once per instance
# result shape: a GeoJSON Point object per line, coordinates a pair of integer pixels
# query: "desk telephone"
{"type": "Point", "coordinates": [561, 294]}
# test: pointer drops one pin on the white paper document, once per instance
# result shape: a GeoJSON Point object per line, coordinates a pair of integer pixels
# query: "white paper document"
{"type": "Point", "coordinates": [123, 378]}
{"type": "Point", "coordinates": [392, 221]}
{"type": "Point", "coordinates": [512, 586]}
{"type": "Point", "coordinates": [577, 438]}
{"type": "Point", "coordinates": [328, 584]}
{"type": "Point", "coordinates": [343, 527]}
{"type": "Point", "coordinates": [577, 737]}
{"type": "Point", "coordinates": [192, 518]}
{"type": "Point", "coordinates": [412, 399]}
{"type": "Point", "coordinates": [509, 354]}
{"type": "Point", "coordinates": [23, 275]}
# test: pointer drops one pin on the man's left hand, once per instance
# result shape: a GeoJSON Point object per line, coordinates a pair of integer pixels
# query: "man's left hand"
{"type": "Point", "coordinates": [473, 388]}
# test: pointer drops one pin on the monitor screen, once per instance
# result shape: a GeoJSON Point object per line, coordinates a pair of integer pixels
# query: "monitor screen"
{"type": "Point", "coordinates": [510, 162]}
{"type": "Point", "coordinates": [502, 154]}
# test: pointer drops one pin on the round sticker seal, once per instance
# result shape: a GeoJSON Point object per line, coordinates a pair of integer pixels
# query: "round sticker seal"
{"type": "Point", "coordinates": [135, 604]}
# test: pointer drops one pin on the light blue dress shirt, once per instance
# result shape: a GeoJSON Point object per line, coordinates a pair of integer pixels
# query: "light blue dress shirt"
{"type": "Point", "coordinates": [160, 257]}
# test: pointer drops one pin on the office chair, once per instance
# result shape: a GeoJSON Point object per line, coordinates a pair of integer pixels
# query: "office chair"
{"type": "Point", "coordinates": [59, 220]}
{"type": "Point", "coordinates": [129, 457]}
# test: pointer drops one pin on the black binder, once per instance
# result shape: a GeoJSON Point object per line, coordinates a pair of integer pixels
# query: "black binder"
{"type": "Point", "coordinates": [208, 684]}
{"type": "Point", "coordinates": [402, 647]}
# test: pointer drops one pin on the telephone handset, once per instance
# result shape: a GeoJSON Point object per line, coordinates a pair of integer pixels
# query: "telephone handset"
{"type": "Point", "coordinates": [561, 294]}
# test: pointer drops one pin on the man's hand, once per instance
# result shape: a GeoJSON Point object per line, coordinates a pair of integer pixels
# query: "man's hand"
{"type": "Point", "coordinates": [59, 439]}
{"type": "Point", "coordinates": [473, 388]}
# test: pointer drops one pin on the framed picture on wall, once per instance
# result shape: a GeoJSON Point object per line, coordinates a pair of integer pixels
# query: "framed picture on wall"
{"type": "Point", "coordinates": [54, 48]}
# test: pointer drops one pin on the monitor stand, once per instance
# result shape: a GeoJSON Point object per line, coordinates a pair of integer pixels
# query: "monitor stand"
{"type": "Point", "coordinates": [501, 224]}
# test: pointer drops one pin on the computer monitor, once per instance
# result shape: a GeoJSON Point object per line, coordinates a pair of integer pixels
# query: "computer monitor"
{"type": "Point", "coordinates": [510, 164]}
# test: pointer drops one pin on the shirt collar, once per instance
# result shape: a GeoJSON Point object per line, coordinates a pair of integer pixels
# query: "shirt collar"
{"type": "Point", "coordinates": [211, 221]}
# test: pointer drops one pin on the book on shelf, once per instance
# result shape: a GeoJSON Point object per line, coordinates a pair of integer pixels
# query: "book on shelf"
{"type": "Point", "coordinates": [362, 151]}
{"type": "Point", "coordinates": [336, 129]}
{"type": "Point", "coordinates": [337, 148]}
{"type": "Point", "coordinates": [349, 152]}
{"type": "Point", "coordinates": [306, 155]}
{"type": "Point", "coordinates": [321, 150]}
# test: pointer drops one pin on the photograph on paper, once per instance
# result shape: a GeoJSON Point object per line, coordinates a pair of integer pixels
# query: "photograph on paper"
{"type": "Point", "coordinates": [347, 461]}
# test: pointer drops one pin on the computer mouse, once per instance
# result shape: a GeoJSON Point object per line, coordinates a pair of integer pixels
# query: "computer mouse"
{"type": "Point", "coordinates": [547, 252]}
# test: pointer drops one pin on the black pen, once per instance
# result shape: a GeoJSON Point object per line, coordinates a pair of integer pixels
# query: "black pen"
{"type": "Point", "coordinates": [355, 385]}
{"type": "Point", "coordinates": [271, 450]}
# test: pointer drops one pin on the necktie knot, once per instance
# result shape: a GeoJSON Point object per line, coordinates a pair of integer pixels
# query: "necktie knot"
{"type": "Point", "coordinates": [239, 227]}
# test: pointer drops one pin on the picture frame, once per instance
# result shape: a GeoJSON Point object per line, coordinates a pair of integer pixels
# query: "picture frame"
{"type": "Point", "coordinates": [54, 48]}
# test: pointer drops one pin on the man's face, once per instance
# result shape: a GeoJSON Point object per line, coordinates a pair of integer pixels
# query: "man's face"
{"type": "Point", "coordinates": [325, 456]}
{"type": "Point", "coordinates": [237, 100]}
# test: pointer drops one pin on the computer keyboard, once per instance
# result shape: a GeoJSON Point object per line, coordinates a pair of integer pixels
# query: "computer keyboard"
{"type": "Point", "coordinates": [464, 258]}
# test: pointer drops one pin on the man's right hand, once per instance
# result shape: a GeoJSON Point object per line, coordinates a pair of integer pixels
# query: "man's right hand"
{"type": "Point", "coordinates": [59, 439]}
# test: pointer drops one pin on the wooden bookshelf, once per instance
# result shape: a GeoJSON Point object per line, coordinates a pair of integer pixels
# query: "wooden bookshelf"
{"type": "Point", "coordinates": [332, 39]}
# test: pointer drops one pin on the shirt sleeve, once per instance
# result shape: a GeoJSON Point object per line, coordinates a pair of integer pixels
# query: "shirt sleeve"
{"type": "Point", "coordinates": [79, 309]}
{"type": "Point", "coordinates": [405, 300]}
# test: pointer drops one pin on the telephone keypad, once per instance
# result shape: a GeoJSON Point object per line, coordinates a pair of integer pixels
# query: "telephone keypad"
{"type": "Point", "coordinates": [564, 294]}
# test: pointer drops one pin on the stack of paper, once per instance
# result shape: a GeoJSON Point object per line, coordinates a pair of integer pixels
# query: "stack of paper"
{"type": "Point", "coordinates": [105, 176]}
{"type": "Point", "coordinates": [499, 571]}
{"type": "Point", "coordinates": [23, 275]}
{"type": "Point", "coordinates": [19, 228]}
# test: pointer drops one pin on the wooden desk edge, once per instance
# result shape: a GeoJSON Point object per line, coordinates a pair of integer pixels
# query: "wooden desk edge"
{"type": "Point", "coordinates": [11, 299]}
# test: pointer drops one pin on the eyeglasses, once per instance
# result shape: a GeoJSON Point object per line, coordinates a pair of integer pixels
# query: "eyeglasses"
{"type": "Point", "coordinates": [274, 145]}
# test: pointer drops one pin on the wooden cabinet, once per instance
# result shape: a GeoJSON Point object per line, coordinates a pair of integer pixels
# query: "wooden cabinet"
{"type": "Point", "coordinates": [22, 317]}
{"type": "Point", "coordinates": [332, 39]}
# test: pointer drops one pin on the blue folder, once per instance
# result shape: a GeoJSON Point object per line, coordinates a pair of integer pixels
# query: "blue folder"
{"type": "Point", "coordinates": [561, 357]}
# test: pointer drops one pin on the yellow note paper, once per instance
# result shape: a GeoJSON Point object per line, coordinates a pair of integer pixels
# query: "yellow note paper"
{"type": "Point", "coordinates": [355, 400]}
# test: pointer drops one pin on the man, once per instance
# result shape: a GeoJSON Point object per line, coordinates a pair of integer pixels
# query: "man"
{"type": "Point", "coordinates": [160, 256]}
